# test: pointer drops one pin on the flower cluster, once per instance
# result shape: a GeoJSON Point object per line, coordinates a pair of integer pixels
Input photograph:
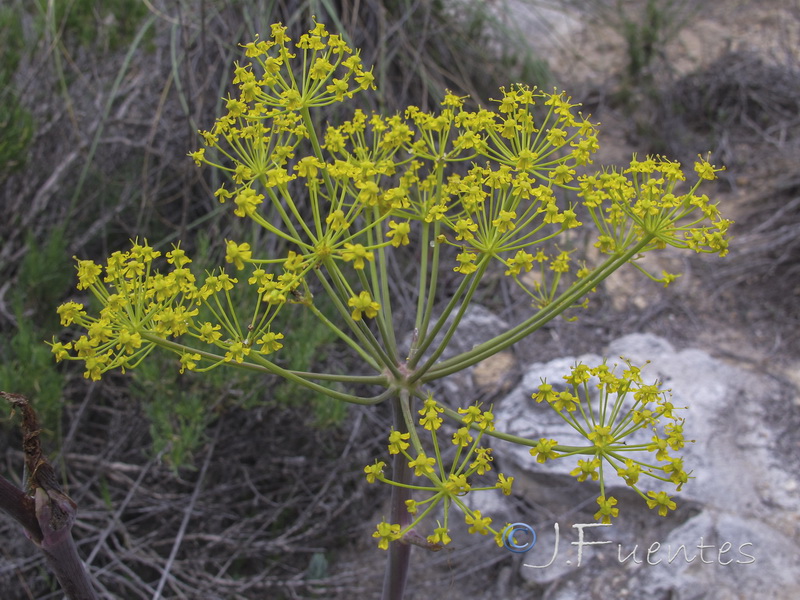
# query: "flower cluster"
{"type": "Point", "coordinates": [643, 203]}
{"type": "Point", "coordinates": [143, 308]}
{"type": "Point", "coordinates": [138, 305]}
{"type": "Point", "coordinates": [459, 188]}
{"type": "Point", "coordinates": [624, 406]}
{"type": "Point", "coordinates": [448, 486]}
{"type": "Point", "coordinates": [372, 180]}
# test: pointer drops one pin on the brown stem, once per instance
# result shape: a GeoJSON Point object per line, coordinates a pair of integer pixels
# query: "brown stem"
{"type": "Point", "coordinates": [46, 512]}
{"type": "Point", "coordinates": [56, 513]}
{"type": "Point", "coordinates": [394, 581]}
{"type": "Point", "coordinates": [20, 507]}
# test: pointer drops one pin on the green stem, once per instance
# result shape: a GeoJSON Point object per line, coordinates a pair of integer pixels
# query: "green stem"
{"type": "Point", "coordinates": [524, 329]}
{"type": "Point", "coordinates": [359, 328]}
{"type": "Point", "coordinates": [420, 323]}
{"type": "Point", "coordinates": [338, 293]}
{"type": "Point", "coordinates": [381, 319]}
{"type": "Point", "coordinates": [516, 439]}
{"type": "Point", "coordinates": [262, 365]}
{"type": "Point", "coordinates": [381, 285]}
{"type": "Point", "coordinates": [312, 136]}
{"type": "Point", "coordinates": [473, 285]}
{"type": "Point", "coordinates": [428, 292]}
{"type": "Point", "coordinates": [344, 337]}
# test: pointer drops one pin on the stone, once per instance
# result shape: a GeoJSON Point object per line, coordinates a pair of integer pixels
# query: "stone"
{"type": "Point", "coordinates": [494, 375]}
{"type": "Point", "coordinates": [741, 505]}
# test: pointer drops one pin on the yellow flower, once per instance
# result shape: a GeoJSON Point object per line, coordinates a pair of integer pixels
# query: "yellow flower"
{"type": "Point", "coordinates": [189, 361]}
{"type": "Point", "coordinates": [565, 401]}
{"type": "Point", "coordinates": [504, 221]}
{"type": "Point", "coordinates": [398, 233]}
{"type": "Point", "coordinates": [386, 533]}
{"type": "Point", "coordinates": [659, 446]}
{"type": "Point", "coordinates": [94, 367]}
{"type": "Point", "coordinates": [177, 257]}
{"type": "Point", "coordinates": [526, 159]}
{"type": "Point", "coordinates": [436, 212]}
{"type": "Point", "coordinates": [464, 229]}
{"type": "Point", "coordinates": [546, 393]}
{"type": "Point", "coordinates": [70, 312]}
{"type": "Point", "coordinates": [60, 351]}
{"type": "Point", "coordinates": [462, 437]}
{"type": "Point", "coordinates": [366, 80]}
{"type": "Point", "coordinates": [472, 414]}
{"type": "Point", "coordinates": [466, 263]}
{"type": "Point", "coordinates": [236, 351]}
{"type": "Point", "coordinates": [100, 332]}
{"type": "Point", "coordinates": [308, 167]}
{"type": "Point", "coordinates": [457, 485]}
{"type": "Point", "coordinates": [544, 450]}
{"type": "Point", "coordinates": [478, 523]}
{"type": "Point", "coordinates": [128, 341]}
{"type": "Point", "coordinates": [358, 254]}
{"type": "Point", "coordinates": [237, 253]}
{"type": "Point", "coordinates": [560, 263]}
{"type": "Point", "coordinates": [521, 261]}
{"type": "Point", "coordinates": [209, 333]}
{"type": "Point", "coordinates": [363, 303]}
{"type": "Point", "coordinates": [562, 174]}
{"type": "Point", "coordinates": [601, 436]}
{"type": "Point", "coordinates": [504, 483]}
{"type": "Point", "coordinates": [422, 465]}
{"type": "Point", "coordinates": [320, 69]}
{"type": "Point", "coordinates": [198, 157]}
{"type": "Point", "coordinates": [705, 170]}
{"type": "Point", "coordinates": [411, 506]}
{"type": "Point", "coordinates": [270, 342]}
{"type": "Point", "coordinates": [88, 273]}
{"type": "Point", "coordinates": [339, 88]}
{"type": "Point", "coordinates": [430, 414]}
{"type": "Point", "coordinates": [83, 347]}
{"type": "Point", "coordinates": [374, 471]}
{"type": "Point", "coordinates": [662, 501]}
{"type": "Point", "coordinates": [439, 536]}
{"type": "Point", "coordinates": [369, 194]}
{"type": "Point", "coordinates": [247, 201]}
{"type": "Point", "coordinates": [397, 441]}
{"type": "Point", "coordinates": [586, 468]}
{"type": "Point", "coordinates": [486, 421]}
{"type": "Point", "coordinates": [631, 472]}
{"type": "Point", "coordinates": [337, 220]}
{"type": "Point", "coordinates": [607, 510]}
{"type": "Point", "coordinates": [482, 459]}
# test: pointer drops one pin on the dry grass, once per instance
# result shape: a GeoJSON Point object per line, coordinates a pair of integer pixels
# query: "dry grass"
{"type": "Point", "coordinates": [244, 523]}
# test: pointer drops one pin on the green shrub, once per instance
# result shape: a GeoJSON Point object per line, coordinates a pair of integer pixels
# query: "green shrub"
{"type": "Point", "coordinates": [26, 367]}
{"type": "Point", "coordinates": [109, 23]}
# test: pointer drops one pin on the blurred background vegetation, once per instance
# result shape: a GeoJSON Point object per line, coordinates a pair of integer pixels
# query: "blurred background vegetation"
{"type": "Point", "coordinates": [100, 102]}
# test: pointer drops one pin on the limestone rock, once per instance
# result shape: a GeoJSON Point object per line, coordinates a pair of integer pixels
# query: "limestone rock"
{"type": "Point", "coordinates": [741, 505]}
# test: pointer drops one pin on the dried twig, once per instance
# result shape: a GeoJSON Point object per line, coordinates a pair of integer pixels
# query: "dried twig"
{"type": "Point", "coordinates": [45, 511]}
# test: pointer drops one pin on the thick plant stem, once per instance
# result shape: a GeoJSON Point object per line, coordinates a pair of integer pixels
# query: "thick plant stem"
{"type": "Point", "coordinates": [56, 513]}
{"type": "Point", "coordinates": [47, 516]}
{"type": "Point", "coordinates": [394, 581]}
{"type": "Point", "coordinates": [20, 507]}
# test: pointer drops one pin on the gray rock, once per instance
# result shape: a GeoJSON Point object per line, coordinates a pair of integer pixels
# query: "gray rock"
{"type": "Point", "coordinates": [742, 501]}
{"type": "Point", "coordinates": [491, 376]}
